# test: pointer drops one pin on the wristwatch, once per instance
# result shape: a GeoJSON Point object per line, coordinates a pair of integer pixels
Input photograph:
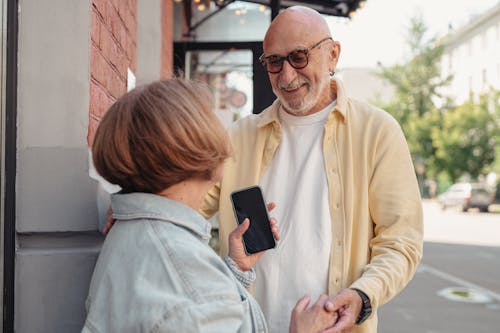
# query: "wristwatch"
{"type": "Point", "coordinates": [366, 307]}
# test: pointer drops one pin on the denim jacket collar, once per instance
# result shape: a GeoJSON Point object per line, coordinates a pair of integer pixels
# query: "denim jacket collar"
{"type": "Point", "coordinates": [136, 206]}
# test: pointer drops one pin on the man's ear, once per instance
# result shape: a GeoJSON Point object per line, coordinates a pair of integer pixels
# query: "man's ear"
{"type": "Point", "coordinates": [334, 54]}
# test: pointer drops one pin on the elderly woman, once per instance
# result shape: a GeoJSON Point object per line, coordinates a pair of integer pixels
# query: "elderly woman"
{"type": "Point", "coordinates": [163, 144]}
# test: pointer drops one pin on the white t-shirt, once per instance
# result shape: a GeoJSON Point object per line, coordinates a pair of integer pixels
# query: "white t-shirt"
{"type": "Point", "coordinates": [296, 181]}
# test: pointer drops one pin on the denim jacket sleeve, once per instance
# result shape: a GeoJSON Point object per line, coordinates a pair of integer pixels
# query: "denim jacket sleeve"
{"type": "Point", "coordinates": [216, 316]}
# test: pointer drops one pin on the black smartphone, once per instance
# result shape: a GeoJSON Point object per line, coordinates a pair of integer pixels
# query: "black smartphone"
{"type": "Point", "coordinates": [249, 202]}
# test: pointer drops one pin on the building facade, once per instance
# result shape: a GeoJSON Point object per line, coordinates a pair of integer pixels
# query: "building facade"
{"type": "Point", "coordinates": [472, 56]}
{"type": "Point", "coordinates": [63, 64]}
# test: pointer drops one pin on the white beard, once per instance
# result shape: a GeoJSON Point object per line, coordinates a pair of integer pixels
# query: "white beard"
{"type": "Point", "coordinates": [301, 106]}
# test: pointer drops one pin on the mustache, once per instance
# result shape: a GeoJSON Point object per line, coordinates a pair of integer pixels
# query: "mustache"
{"type": "Point", "coordinates": [293, 85]}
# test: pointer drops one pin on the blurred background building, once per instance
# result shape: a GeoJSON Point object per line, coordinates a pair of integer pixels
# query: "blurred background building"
{"type": "Point", "coordinates": [472, 56]}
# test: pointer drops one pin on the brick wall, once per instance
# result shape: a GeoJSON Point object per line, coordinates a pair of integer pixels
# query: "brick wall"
{"type": "Point", "coordinates": [113, 50]}
{"type": "Point", "coordinates": [167, 56]}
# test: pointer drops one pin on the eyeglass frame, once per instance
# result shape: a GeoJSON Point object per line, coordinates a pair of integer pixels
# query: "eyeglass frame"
{"type": "Point", "coordinates": [263, 58]}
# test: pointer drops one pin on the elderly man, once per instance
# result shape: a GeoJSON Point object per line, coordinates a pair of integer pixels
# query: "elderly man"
{"type": "Point", "coordinates": [341, 175]}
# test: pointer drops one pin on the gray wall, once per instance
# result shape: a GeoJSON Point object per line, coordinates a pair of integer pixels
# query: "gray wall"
{"type": "Point", "coordinates": [148, 40]}
{"type": "Point", "coordinates": [56, 209]}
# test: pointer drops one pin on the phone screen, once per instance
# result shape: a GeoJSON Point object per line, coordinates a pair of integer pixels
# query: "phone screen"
{"type": "Point", "coordinates": [249, 202]}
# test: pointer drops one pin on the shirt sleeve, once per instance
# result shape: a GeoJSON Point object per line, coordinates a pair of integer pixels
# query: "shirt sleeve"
{"type": "Point", "coordinates": [245, 278]}
{"type": "Point", "coordinates": [210, 204]}
{"type": "Point", "coordinates": [396, 210]}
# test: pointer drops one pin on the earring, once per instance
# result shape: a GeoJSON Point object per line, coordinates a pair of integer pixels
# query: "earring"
{"type": "Point", "coordinates": [332, 72]}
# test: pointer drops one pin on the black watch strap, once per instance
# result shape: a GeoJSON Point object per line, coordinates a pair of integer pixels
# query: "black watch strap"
{"type": "Point", "coordinates": [366, 307]}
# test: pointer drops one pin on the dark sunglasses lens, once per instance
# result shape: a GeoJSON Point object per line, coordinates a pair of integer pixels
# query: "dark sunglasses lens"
{"type": "Point", "coordinates": [274, 64]}
{"type": "Point", "coordinates": [298, 59]}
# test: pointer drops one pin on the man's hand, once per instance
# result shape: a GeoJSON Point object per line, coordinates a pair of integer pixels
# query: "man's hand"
{"type": "Point", "coordinates": [313, 320]}
{"type": "Point", "coordinates": [236, 247]}
{"type": "Point", "coordinates": [348, 305]}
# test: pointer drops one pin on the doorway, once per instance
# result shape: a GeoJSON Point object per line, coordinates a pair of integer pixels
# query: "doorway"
{"type": "Point", "coordinates": [233, 71]}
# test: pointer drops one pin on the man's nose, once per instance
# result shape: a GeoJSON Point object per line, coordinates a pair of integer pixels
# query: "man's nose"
{"type": "Point", "coordinates": [288, 74]}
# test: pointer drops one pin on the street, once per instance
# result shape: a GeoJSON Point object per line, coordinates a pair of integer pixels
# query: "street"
{"type": "Point", "coordinates": [457, 286]}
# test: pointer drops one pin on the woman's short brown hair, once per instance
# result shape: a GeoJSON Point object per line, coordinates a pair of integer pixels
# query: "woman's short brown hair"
{"type": "Point", "coordinates": [158, 135]}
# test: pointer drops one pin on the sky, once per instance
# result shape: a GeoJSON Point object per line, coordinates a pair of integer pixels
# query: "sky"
{"type": "Point", "coordinates": [377, 32]}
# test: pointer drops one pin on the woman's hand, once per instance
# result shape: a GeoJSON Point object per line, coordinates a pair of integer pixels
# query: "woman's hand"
{"type": "Point", "coordinates": [347, 303]}
{"type": "Point", "coordinates": [313, 320]}
{"type": "Point", "coordinates": [237, 249]}
{"type": "Point", "coordinates": [109, 221]}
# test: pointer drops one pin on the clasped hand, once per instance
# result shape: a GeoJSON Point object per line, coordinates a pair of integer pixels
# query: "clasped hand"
{"type": "Point", "coordinates": [328, 315]}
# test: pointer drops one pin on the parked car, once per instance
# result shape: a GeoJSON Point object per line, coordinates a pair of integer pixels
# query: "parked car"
{"type": "Point", "coordinates": [465, 196]}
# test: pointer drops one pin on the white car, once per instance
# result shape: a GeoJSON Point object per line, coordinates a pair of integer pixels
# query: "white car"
{"type": "Point", "coordinates": [466, 195]}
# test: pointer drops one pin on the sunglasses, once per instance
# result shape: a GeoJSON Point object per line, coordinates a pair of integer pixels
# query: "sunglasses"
{"type": "Point", "coordinates": [298, 59]}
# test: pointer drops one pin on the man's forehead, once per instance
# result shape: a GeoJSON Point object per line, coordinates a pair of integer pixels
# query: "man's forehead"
{"type": "Point", "coordinates": [287, 43]}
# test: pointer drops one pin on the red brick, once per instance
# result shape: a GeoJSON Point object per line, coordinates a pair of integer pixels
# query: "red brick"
{"type": "Point", "coordinates": [115, 26]}
{"type": "Point", "coordinates": [116, 86]}
{"type": "Point", "coordinates": [115, 4]}
{"type": "Point", "coordinates": [97, 63]}
{"type": "Point", "coordinates": [113, 53]}
{"type": "Point", "coordinates": [121, 64]}
{"type": "Point", "coordinates": [106, 43]}
{"type": "Point", "coordinates": [167, 39]}
{"type": "Point", "coordinates": [100, 101]}
{"type": "Point", "coordinates": [122, 7]}
{"type": "Point", "coordinates": [103, 73]}
{"type": "Point", "coordinates": [133, 66]}
{"type": "Point", "coordinates": [131, 50]}
{"type": "Point", "coordinates": [93, 124]}
{"type": "Point", "coordinates": [111, 13]}
{"type": "Point", "coordinates": [132, 6]}
{"type": "Point", "coordinates": [95, 27]}
{"type": "Point", "coordinates": [94, 99]}
{"type": "Point", "coordinates": [119, 32]}
{"type": "Point", "coordinates": [113, 50]}
{"type": "Point", "coordinates": [130, 23]}
{"type": "Point", "coordinates": [101, 7]}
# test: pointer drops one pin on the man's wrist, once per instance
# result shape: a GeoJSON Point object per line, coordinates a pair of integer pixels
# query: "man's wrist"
{"type": "Point", "coordinates": [366, 307]}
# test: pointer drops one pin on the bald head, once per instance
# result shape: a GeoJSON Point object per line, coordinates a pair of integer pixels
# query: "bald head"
{"type": "Point", "coordinates": [299, 46]}
{"type": "Point", "coordinates": [301, 23]}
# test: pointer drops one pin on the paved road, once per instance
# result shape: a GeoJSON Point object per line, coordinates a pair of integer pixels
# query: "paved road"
{"type": "Point", "coordinates": [454, 226]}
{"type": "Point", "coordinates": [461, 254]}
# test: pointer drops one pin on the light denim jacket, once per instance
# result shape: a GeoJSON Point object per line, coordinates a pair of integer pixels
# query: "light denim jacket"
{"type": "Point", "coordinates": [156, 273]}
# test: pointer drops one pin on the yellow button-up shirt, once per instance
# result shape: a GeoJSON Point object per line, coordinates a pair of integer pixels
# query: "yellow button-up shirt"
{"type": "Point", "coordinates": [375, 205]}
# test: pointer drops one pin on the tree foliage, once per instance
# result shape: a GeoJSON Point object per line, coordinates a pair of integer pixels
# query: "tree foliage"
{"type": "Point", "coordinates": [447, 139]}
{"type": "Point", "coordinates": [467, 140]}
{"type": "Point", "coordinates": [417, 84]}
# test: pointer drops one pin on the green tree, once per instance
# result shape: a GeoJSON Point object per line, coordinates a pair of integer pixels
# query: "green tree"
{"type": "Point", "coordinates": [467, 141]}
{"type": "Point", "coordinates": [492, 103]}
{"type": "Point", "coordinates": [417, 84]}
{"type": "Point", "coordinates": [446, 142]}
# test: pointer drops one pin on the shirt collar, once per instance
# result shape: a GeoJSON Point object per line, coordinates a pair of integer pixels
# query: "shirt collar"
{"type": "Point", "coordinates": [135, 206]}
{"type": "Point", "coordinates": [270, 115]}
